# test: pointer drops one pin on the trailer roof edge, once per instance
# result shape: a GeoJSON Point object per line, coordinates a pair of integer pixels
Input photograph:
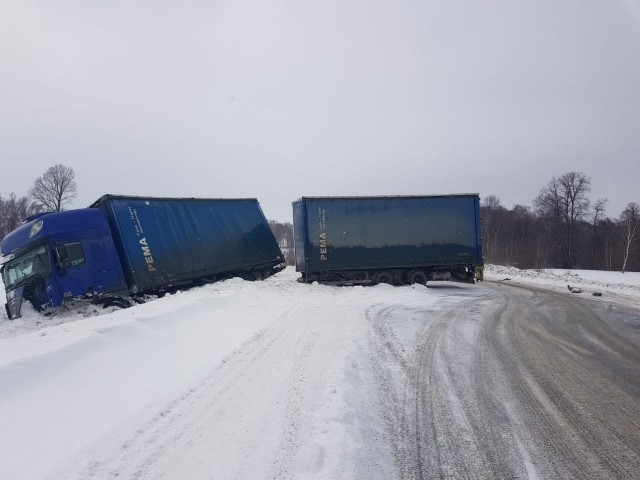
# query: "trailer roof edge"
{"type": "Point", "coordinates": [110, 196]}
{"type": "Point", "coordinates": [382, 197]}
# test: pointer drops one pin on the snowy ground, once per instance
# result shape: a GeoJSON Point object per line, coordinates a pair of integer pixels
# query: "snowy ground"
{"type": "Point", "coordinates": [277, 379]}
{"type": "Point", "coordinates": [617, 286]}
{"type": "Point", "coordinates": [74, 396]}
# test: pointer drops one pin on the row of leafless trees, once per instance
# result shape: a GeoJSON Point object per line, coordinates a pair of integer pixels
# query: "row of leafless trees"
{"type": "Point", "coordinates": [562, 229]}
{"type": "Point", "coordinates": [50, 192]}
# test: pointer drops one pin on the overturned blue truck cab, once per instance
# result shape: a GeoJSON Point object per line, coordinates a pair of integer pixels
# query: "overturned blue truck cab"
{"type": "Point", "coordinates": [122, 246]}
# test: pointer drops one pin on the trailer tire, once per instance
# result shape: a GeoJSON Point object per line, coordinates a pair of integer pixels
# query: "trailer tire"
{"type": "Point", "coordinates": [384, 277]}
{"type": "Point", "coordinates": [418, 276]}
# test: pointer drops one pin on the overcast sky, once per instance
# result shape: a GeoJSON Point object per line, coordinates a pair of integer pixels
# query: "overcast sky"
{"type": "Point", "coordinates": [285, 98]}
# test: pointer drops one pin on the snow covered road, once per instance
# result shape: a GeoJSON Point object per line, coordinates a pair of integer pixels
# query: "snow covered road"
{"type": "Point", "coordinates": [518, 383]}
{"type": "Point", "coordinates": [277, 379]}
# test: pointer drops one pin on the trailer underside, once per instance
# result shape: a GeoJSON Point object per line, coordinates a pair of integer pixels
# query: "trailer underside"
{"type": "Point", "coordinates": [396, 275]}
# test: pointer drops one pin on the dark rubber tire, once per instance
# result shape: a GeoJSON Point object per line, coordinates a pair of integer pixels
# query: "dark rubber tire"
{"type": "Point", "coordinates": [418, 276]}
{"type": "Point", "coordinates": [384, 277]}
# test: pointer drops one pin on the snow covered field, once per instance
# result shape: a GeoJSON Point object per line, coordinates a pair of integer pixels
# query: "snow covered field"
{"type": "Point", "coordinates": [617, 286]}
{"type": "Point", "coordinates": [75, 396]}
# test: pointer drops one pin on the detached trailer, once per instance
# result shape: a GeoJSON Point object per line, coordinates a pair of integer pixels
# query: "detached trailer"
{"type": "Point", "coordinates": [122, 246]}
{"type": "Point", "coordinates": [395, 240]}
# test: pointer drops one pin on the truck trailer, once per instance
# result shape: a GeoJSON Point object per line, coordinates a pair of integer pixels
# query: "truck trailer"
{"type": "Point", "coordinates": [390, 239]}
{"type": "Point", "coordinates": [124, 246]}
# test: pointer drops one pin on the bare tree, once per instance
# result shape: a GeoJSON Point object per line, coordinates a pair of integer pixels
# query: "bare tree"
{"type": "Point", "coordinates": [598, 210]}
{"type": "Point", "coordinates": [611, 234]}
{"type": "Point", "coordinates": [55, 188]}
{"type": "Point", "coordinates": [489, 210]}
{"type": "Point", "coordinates": [597, 213]}
{"type": "Point", "coordinates": [629, 221]}
{"type": "Point", "coordinates": [565, 201]}
{"type": "Point", "coordinates": [13, 210]}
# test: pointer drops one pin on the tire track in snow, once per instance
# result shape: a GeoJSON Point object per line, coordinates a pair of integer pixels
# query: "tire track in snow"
{"type": "Point", "coordinates": [393, 400]}
{"type": "Point", "coordinates": [402, 373]}
{"type": "Point", "coordinates": [448, 441]}
{"type": "Point", "coordinates": [520, 384]}
{"type": "Point", "coordinates": [282, 465]}
{"type": "Point", "coordinates": [575, 398]}
{"type": "Point", "coordinates": [138, 456]}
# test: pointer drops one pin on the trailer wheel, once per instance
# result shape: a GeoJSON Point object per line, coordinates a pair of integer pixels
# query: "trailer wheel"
{"type": "Point", "coordinates": [384, 277]}
{"type": "Point", "coordinates": [418, 276]}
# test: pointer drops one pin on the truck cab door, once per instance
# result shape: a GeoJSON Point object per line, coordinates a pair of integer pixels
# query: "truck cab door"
{"type": "Point", "coordinates": [73, 273]}
{"type": "Point", "coordinates": [107, 271]}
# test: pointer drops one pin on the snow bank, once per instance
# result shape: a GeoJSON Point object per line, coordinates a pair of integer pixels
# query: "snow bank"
{"type": "Point", "coordinates": [614, 285]}
{"type": "Point", "coordinates": [65, 386]}
{"type": "Point", "coordinates": [601, 277]}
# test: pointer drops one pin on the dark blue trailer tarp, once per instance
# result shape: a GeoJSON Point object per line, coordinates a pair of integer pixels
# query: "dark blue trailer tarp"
{"type": "Point", "coordinates": [169, 241]}
{"type": "Point", "coordinates": [339, 233]}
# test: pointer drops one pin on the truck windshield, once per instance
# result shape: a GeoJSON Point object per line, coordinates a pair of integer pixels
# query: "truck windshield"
{"type": "Point", "coordinates": [31, 264]}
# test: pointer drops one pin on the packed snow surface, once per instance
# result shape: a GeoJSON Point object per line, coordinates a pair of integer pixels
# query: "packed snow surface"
{"type": "Point", "coordinates": [259, 379]}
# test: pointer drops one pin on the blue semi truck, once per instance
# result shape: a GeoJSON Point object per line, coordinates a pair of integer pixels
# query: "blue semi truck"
{"type": "Point", "coordinates": [124, 246]}
{"type": "Point", "coordinates": [393, 239]}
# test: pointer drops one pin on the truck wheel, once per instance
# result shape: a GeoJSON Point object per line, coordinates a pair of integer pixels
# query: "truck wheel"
{"type": "Point", "coordinates": [418, 276]}
{"type": "Point", "coordinates": [384, 277]}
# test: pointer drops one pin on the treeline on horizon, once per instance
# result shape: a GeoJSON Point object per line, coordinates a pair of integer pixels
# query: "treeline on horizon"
{"type": "Point", "coordinates": [563, 228]}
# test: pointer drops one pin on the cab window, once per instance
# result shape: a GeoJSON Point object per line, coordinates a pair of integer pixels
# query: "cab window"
{"type": "Point", "coordinates": [31, 264]}
{"type": "Point", "coordinates": [69, 254]}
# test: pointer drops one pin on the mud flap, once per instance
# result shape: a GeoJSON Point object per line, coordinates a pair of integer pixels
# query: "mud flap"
{"type": "Point", "coordinates": [14, 303]}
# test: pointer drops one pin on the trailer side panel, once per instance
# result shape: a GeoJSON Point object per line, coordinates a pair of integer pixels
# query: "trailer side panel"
{"type": "Point", "coordinates": [346, 233]}
{"type": "Point", "coordinates": [166, 242]}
